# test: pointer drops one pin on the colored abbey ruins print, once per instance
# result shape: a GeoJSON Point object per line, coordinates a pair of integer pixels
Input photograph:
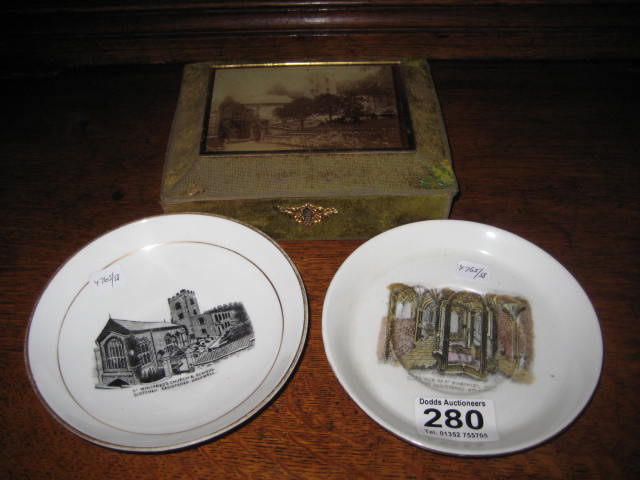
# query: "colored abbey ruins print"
{"type": "Point", "coordinates": [458, 340]}
{"type": "Point", "coordinates": [132, 352]}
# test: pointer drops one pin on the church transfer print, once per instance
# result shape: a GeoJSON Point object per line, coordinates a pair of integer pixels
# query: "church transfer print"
{"type": "Point", "coordinates": [130, 353]}
{"type": "Point", "coordinates": [458, 341]}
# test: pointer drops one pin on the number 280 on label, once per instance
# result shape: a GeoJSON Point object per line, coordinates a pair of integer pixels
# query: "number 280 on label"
{"type": "Point", "coordinates": [459, 419]}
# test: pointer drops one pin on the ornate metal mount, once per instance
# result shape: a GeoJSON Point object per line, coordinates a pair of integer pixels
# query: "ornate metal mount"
{"type": "Point", "coordinates": [308, 214]}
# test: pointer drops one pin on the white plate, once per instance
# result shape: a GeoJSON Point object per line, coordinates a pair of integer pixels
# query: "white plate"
{"type": "Point", "coordinates": [468, 313]}
{"type": "Point", "coordinates": [167, 332]}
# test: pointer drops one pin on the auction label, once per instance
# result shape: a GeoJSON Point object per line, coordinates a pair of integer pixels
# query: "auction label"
{"type": "Point", "coordinates": [459, 419]}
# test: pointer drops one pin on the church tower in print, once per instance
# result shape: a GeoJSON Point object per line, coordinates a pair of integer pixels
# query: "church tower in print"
{"type": "Point", "coordinates": [183, 305]}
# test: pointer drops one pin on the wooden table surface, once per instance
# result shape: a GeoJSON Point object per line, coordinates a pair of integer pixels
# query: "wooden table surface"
{"type": "Point", "coordinates": [546, 150]}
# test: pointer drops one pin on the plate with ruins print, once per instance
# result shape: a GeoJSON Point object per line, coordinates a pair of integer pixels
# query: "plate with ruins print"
{"type": "Point", "coordinates": [465, 339]}
{"type": "Point", "coordinates": [167, 332]}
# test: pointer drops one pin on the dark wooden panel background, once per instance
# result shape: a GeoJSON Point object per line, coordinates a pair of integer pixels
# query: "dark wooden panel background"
{"type": "Point", "coordinates": [70, 33]}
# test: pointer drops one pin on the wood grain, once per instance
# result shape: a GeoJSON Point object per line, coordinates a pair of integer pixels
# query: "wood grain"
{"type": "Point", "coordinates": [37, 35]}
{"type": "Point", "coordinates": [546, 150]}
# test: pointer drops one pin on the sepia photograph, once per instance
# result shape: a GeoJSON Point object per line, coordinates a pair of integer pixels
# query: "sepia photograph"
{"type": "Point", "coordinates": [312, 107]}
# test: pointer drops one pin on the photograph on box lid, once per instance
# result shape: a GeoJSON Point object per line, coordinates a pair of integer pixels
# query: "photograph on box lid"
{"type": "Point", "coordinates": [348, 107]}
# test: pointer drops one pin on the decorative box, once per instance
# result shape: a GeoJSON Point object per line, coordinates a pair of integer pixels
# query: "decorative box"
{"type": "Point", "coordinates": [310, 150]}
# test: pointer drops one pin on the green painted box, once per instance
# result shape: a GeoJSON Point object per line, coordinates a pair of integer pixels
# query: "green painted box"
{"type": "Point", "coordinates": [301, 151]}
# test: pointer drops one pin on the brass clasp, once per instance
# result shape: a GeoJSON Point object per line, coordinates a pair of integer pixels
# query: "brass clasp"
{"type": "Point", "coordinates": [308, 214]}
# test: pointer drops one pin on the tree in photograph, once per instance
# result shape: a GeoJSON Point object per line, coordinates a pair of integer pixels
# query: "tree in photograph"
{"type": "Point", "coordinates": [352, 108]}
{"type": "Point", "coordinates": [235, 120]}
{"type": "Point", "coordinates": [231, 109]}
{"type": "Point", "coordinates": [375, 92]}
{"type": "Point", "coordinates": [327, 104]}
{"type": "Point", "coordinates": [299, 109]}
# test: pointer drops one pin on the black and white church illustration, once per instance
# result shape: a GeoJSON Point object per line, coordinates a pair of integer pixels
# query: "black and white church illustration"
{"type": "Point", "coordinates": [132, 352]}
